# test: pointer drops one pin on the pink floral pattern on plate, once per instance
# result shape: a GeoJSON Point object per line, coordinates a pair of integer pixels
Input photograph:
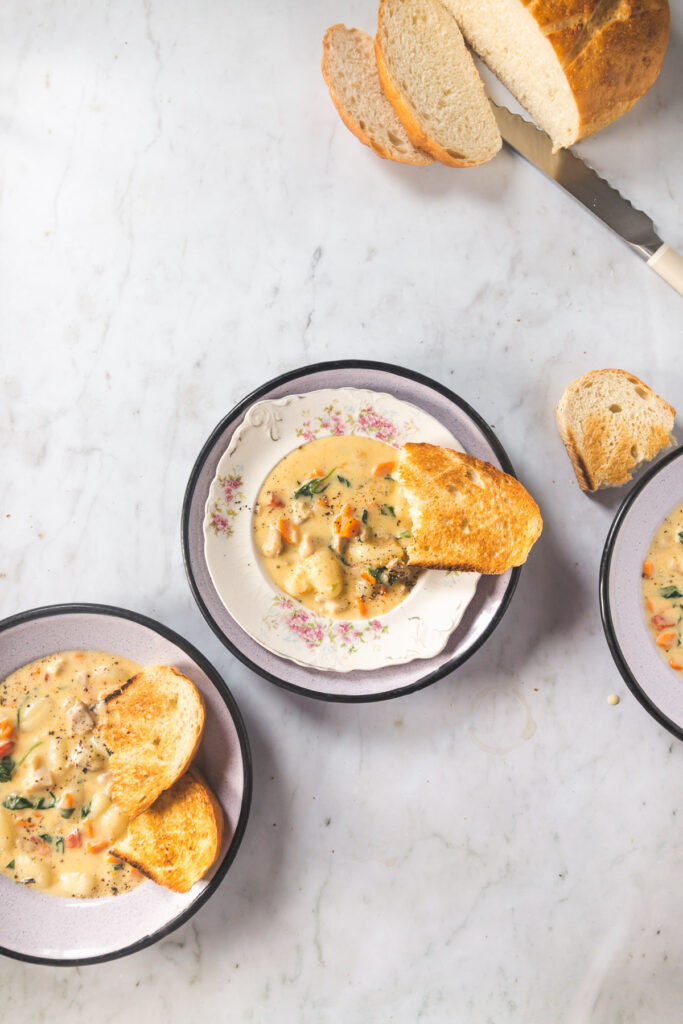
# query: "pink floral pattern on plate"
{"type": "Point", "coordinates": [367, 421]}
{"type": "Point", "coordinates": [228, 505]}
{"type": "Point", "coordinates": [289, 618]}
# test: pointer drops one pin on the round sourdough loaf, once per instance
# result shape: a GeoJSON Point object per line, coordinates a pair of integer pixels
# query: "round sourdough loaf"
{"type": "Point", "coordinates": [576, 65]}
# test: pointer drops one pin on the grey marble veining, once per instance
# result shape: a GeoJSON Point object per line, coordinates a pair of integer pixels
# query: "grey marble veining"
{"type": "Point", "coordinates": [184, 216]}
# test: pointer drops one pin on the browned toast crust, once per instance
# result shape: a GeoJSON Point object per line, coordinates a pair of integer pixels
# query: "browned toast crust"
{"type": "Point", "coordinates": [605, 448]}
{"type": "Point", "coordinates": [152, 725]}
{"type": "Point", "coordinates": [467, 515]}
{"type": "Point", "coordinates": [177, 839]}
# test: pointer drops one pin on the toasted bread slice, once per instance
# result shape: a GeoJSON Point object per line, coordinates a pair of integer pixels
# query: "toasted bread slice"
{"type": "Point", "coordinates": [178, 838]}
{"type": "Point", "coordinates": [152, 725]}
{"type": "Point", "coordinates": [350, 70]}
{"type": "Point", "coordinates": [611, 422]}
{"type": "Point", "coordinates": [430, 79]}
{"type": "Point", "coordinates": [466, 514]}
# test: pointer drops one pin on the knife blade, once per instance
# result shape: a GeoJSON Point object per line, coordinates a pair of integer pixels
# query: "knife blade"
{"type": "Point", "coordinates": [594, 193]}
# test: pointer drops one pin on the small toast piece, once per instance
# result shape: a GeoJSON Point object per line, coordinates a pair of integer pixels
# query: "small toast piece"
{"type": "Point", "coordinates": [350, 70]}
{"type": "Point", "coordinates": [152, 725]}
{"type": "Point", "coordinates": [430, 79]}
{"type": "Point", "coordinates": [466, 514]}
{"type": "Point", "coordinates": [611, 422]}
{"type": "Point", "coordinates": [178, 838]}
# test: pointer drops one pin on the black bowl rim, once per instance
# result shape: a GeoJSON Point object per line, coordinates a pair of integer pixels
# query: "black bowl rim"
{"type": "Point", "coordinates": [242, 406]}
{"type": "Point", "coordinates": [46, 611]}
{"type": "Point", "coordinates": [605, 606]}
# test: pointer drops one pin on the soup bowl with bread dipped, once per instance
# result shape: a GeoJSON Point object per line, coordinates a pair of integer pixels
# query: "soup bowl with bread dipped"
{"type": "Point", "coordinates": [346, 531]}
{"type": "Point", "coordinates": [125, 782]}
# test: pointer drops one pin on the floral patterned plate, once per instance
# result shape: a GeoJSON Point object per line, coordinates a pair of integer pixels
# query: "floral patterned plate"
{"type": "Point", "coordinates": [491, 597]}
{"type": "Point", "coordinates": [419, 627]}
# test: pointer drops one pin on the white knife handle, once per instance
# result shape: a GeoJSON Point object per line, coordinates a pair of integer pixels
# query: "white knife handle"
{"type": "Point", "coordinates": [668, 264]}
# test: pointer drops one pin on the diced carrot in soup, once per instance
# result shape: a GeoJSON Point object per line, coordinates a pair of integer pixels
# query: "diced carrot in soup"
{"type": "Point", "coordinates": [666, 638]}
{"type": "Point", "coordinates": [350, 527]}
{"type": "Point", "coordinates": [97, 847]}
{"type": "Point", "coordinates": [288, 530]}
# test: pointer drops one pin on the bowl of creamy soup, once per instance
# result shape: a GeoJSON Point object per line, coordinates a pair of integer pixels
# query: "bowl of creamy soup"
{"type": "Point", "coordinates": [57, 819]}
{"type": "Point", "coordinates": [300, 624]}
{"type": "Point", "coordinates": [65, 897]}
{"type": "Point", "coordinates": [305, 531]}
{"type": "Point", "coordinates": [641, 591]}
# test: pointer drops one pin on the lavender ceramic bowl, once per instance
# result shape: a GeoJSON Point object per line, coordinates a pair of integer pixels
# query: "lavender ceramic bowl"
{"type": "Point", "coordinates": [55, 930]}
{"type": "Point", "coordinates": [492, 595]}
{"type": "Point", "coordinates": [658, 687]}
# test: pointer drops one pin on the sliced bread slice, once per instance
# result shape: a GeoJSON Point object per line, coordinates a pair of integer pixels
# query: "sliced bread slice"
{"type": "Point", "coordinates": [576, 65]}
{"type": "Point", "coordinates": [152, 725]}
{"type": "Point", "coordinates": [466, 514]}
{"type": "Point", "coordinates": [610, 422]}
{"type": "Point", "coordinates": [178, 838]}
{"type": "Point", "coordinates": [350, 70]}
{"type": "Point", "coordinates": [430, 79]}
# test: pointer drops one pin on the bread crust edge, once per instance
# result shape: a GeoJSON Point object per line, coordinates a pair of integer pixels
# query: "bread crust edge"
{"type": "Point", "coordinates": [619, 62]}
{"type": "Point", "coordinates": [353, 125]}
{"type": "Point", "coordinates": [405, 114]}
{"type": "Point", "coordinates": [584, 477]}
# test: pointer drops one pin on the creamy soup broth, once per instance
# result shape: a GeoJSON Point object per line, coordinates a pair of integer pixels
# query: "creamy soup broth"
{"type": "Point", "coordinates": [662, 588]}
{"type": "Point", "coordinates": [57, 819]}
{"type": "Point", "coordinates": [331, 525]}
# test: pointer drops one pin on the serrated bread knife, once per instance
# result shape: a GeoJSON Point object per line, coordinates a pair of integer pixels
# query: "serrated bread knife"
{"type": "Point", "coordinates": [581, 181]}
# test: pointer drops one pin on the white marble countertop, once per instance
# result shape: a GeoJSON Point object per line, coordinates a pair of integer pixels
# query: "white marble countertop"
{"type": "Point", "coordinates": [185, 216]}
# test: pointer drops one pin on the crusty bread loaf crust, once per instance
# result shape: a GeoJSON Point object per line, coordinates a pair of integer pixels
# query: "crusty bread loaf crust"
{"type": "Point", "coordinates": [178, 838]}
{"type": "Point", "coordinates": [458, 83]}
{"type": "Point", "coordinates": [609, 53]}
{"type": "Point", "coordinates": [610, 422]}
{"type": "Point", "coordinates": [350, 70]}
{"type": "Point", "coordinates": [466, 514]}
{"type": "Point", "coordinates": [153, 726]}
